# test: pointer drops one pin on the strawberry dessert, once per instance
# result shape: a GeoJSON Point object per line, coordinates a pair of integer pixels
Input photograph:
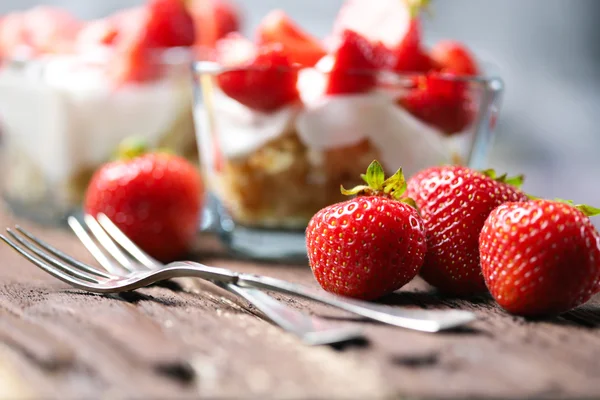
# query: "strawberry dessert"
{"type": "Point", "coordinates": [71, 90]}
{"type": "Point", "coordinates": [285, 118]}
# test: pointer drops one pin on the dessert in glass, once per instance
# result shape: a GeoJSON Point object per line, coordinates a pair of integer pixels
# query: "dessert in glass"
{"type": "Point", "coordinates": [71, 91]}
{"type": "Point", "coordinates": [284, 120]}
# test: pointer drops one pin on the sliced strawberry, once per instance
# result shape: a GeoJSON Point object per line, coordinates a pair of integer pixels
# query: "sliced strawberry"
{"type": "Point", "coordinates": [213, 19]}
{"type": "Point", "coordinates": [301, 47]}
{"type": "Point", "coordinates": [114, 29]}
{"type": "Point", "coordinates": [410, 56]}
{"type": "Point", "coordinates": [51, 29]}
{"type": "Point", "coordinates": [169, 24]}
{"type": "Point", "coordinates": [394, 23]}
{"type": "Point", "coordinates": [454, 57]}
{"type": "Point", "coordinates": [13, 34]}
{"type": "Point", "coordinates": [133, 64]}
{"type": "Point", "coordinates": [261, 78]}
{"type": "Point", "coordinates": [441, 101]}
{"type": "Point", "coordinates": [102, 32]}
{"type": "Point", "coordinates": [355, 63]}
{"type": "Point", "coordinates": [227, 16]}
{"type": "Point", "coordinates": [387, 22]}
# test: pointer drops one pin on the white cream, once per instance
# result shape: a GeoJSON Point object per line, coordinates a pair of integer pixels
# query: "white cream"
{"type": "Point", "coordinates": [402, 140]}
{"type": "Point", "coordinates": [239, 129]}
{"type": "Point", "coordinates": [67, 115]}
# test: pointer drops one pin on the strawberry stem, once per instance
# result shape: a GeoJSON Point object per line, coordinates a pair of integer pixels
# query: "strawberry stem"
{"type": "Point", "coordinates": [415, 7]}
{"type": "Point", "coordinates": [131, 147]}
{"type": "Point", "coordinates": [377, 185]}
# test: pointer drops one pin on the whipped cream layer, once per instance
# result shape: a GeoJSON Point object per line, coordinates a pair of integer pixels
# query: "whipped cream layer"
{"type": "Point", "coordinates": [322, 123]}
{"type": "Point", "coordinates": [66, 114]}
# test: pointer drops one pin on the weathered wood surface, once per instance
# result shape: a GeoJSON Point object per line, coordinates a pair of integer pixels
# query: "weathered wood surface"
{"type": "Point", "coordinates": [189, 340]}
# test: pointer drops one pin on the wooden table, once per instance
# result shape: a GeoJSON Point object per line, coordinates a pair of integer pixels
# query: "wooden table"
{"type": "Point", "coordinates": [185, 339]}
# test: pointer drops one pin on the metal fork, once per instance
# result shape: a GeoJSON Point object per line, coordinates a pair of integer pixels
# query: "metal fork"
{"type": "Point", "coordinates": [312, 330]}
{"type": "Point", "coordinates": [118, 279]}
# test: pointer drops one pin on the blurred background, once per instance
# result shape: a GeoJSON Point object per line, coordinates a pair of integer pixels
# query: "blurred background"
{"type": "Point", "coordinates": [547, 51]}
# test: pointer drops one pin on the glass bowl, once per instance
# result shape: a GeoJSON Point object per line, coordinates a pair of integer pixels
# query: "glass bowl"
{"type": "Point", "coordinates": [62, 116]}
{"type": "Point", "coordinates": [270, 172]}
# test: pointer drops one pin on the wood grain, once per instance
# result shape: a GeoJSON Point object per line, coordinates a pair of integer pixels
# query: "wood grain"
{"type": "Point", "coordinates": [188, 339]}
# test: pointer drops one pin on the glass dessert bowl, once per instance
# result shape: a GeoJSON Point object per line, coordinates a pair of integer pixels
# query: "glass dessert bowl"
{"type": "Point", "coordinates": [67, 102]}
{"type": "Point", "coordinates": [278, 135]}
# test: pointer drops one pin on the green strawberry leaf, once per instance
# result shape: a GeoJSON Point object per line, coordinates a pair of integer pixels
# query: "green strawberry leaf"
{"type": "Point", "coordinates": [360, 189]}
{"type": "Point", "coordinates": [131, 147]}
{"type": "Point", "coordinates": [516, 181]}
{"type": "Point", "coordinates": [395, 185]}
{"type": "Point", "coordinates": [588, 210]}
{"type": "Point", "coordinates": [375, 175]}
{"type": "Point", "coordinates": [377, 185]}
{"type": "Point", "coordinates": [415, 7]}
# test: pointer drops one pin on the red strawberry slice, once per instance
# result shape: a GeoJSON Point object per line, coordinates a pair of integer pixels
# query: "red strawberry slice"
{"type": "Point", "coordinates": [301, 47]}
{"type": "Point", "coordinates": [441, 101]}
{"type": "Point", "coordinates": [169, 24]}
{"type": "Point", "coordinates": [51, 29]}
{"type": "Point", "coordinates": [261, 78]}
{"type": "Point", "coordinates": [213, 19]}
{"type": "Point", "coordinates": [42, 29]}
{"type": "Point", "coordinates": [355, 63]}
{"type": "Point", "coordinates": [394, 23]}
{"type": "Point", "coordinates": [410, 56]}
{"type": "Point", "coordinates": [13, 34]}
{"type": "Point", "coordinates": [385, 21]}
{"type": "Point", "coordinates": [227, 16]}
{"type": "Point", "coordinates": [454, 57]}
{"type": "Point", "coordinates": [161, 24]}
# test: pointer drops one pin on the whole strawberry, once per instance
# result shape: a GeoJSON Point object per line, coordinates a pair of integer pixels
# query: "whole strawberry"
{"type": "Point", "coordinates": [540, 257]}
{"type": "Point", "coordinates": [370, 245]}
{"type": "Point", "coordinates": [154, 198]}
{"type": "Point", "coordinates": [454, 202]}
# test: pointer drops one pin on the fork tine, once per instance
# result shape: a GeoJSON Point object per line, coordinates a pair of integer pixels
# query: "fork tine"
{"type": "Point", "coordinates": [138, 254]}
{"type": "Point", "coordinates": [71, 270]}
{"type": "Point", "coordinates": [63, 256]}
{"type": "Point", "coordinates": [108, 243]}
{"type": "Point", "coordinates": [55, 272]}
{"type": "Point", "coordinates": [89, 244]}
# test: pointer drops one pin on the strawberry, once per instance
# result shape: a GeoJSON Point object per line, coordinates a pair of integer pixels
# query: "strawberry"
{"type": "Point", "coordinates": [370, 245]}
{"type": "Point", "coordinates": [454, 202]}
{"type": "Point", "coordinates": [541, 257]}
{"type": "Point", "coordinates": [261, 78]}
{"type": "Point", "coordinates": [168, 24]}
{"type": "Point", "coordinates": [454, 57]}
{"type": "Point", "coordinates": [42, 29]}
{"type": "Point", "coordinates": [162, 24]}
{"type": "Point", "coordinates": [51, 29]}
{"type": "Point", "coordinates": [213, 20]}
{"type": "Point", "coordinates": [300, 46]}
{"type": "Point", "coordinates": [114, 29]}
{"type": "Point", "coordinates": [442, 101]}
{"type": "Point", "coordinates": [394, 23]}
{"type": "Point", "coordinates": [355, 63]}
{"type": "Point", "coordinates": [13, 34]}
{"type": "Point", "coordinates": [227, 16]}
{"type": "Point", "coordinates": [155, 198]}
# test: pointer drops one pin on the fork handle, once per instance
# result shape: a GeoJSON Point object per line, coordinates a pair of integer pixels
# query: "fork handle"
{"type": "Point", "coordinates": [416, 319]}
{"type": "Point", "coordinates": [311, 329]}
